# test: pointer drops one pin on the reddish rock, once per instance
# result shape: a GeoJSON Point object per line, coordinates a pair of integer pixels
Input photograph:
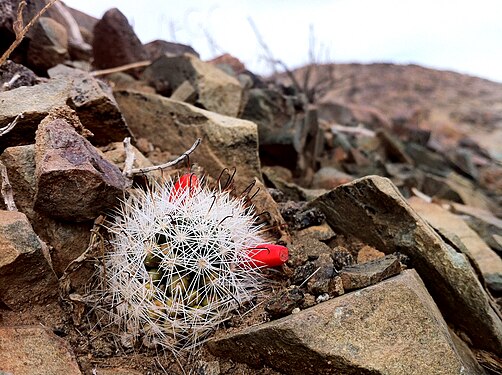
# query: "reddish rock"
{"type": "Point", "coordinates": [34, 350]}
{"type": "Point", "coordinates": [329, 178]}
{"type": "Point", "coordinates": [74, 182]}
{"type": "Point", "coordinates": [115, 42]}
{"type": "Point", "coordinates": [25, 274]}
{"type": "Point", "coordinates": [228, 60]}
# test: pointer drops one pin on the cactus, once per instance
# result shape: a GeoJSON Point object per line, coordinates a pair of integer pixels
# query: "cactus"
{"type": "Point", "coordinates": [180, 261]}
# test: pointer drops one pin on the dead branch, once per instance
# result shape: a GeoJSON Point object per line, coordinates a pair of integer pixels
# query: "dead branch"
{"type": "Point", "coordinates": [335, 128]}
{"type": "Point", "coordinates": [7, 85]}
{"type": "Point", "coordinates": [21, 31]}
{"type": "Point", "coordinates": [121, 68]}
{"type": "Point", "coordinates": [9, 127]}
{"type": "Point", "coordinates": [138, 171]}
{"type": "Point", "coordinates": [7, 195]}
{"type": "Point", "coordinates": [129, 161]}
{"type": "Point", "coordinates": [74, 34]}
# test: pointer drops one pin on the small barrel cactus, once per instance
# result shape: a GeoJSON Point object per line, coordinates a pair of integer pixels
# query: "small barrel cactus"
{"type": "Point", "coordinates": [182, 261]}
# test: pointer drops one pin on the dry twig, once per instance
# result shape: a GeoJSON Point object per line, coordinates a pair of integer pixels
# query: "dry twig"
{"type": "Point", "coordinates": [9, 127]}
{"type": "Point", "coordinates": [7, 189]}
{"type": "Point", "coordinates": [7, 85]}
{"type": "Point", "coordinates": [137, 171]}
{"type": "Point", "coordinates": [121, 68]}
{"type": "Point", "coordinates": [21, 31]}
{"type": "Point", "coordinates": [129, 161]}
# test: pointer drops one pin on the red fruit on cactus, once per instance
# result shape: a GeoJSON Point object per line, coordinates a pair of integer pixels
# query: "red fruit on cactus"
{"type": "Point", "coordinates": [269, 255]}
{"type": "Point", "coordinates": [188, 181]}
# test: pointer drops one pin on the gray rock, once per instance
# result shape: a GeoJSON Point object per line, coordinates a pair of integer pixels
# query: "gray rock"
{"type": "Point", "coordinates": [74, 182]}
{"type": "Point", "coordinates": [215, 90]}
{"type": "Point", "coordinates": [49, 47]}
{"type": "Point", "coordinates": [9, 69]}
{"type": "Point", "coordinates": [284, 302]}
{"type": "Point", "coordinates": [157, 48]}
{"type": "Point", "coordinates": [34, 350]}
{"type": "Point", "coordinates": [288, 129]}
{"type": "Point", "coordinates": [329, 178]}
{"type": "Point", "coordinates": [115, 42]}
{"type": "Point", "coordinates": [26, 276]}
{"type": "Point", "coordinates": [95, 105]}
{"type": "Point", "coordinates": [390, 225]}
{"type": "Point", "coordinates": [391, 328]}
{"type": "Point", "coordinates": [486, 259]}
{"type": "Point", "coordinates": [362, 275]}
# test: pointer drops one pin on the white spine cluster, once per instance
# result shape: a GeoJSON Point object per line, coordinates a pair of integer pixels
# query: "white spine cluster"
{"type": "Point", "coordinates": [180, 264]}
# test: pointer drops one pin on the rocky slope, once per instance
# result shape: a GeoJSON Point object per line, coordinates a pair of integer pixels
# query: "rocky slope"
{"type": "Point", "coordinates": [386, 191]}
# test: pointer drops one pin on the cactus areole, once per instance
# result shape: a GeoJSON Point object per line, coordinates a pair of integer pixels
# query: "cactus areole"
{"type": "Point", "coordinates": [184, 258]}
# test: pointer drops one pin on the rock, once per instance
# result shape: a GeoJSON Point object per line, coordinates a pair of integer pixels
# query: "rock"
{"type": "Point", "coordinates": [26, 276]}
{"type": "Point", "coordinates": [288, 129]}
{"type": "Point", "coordinates": [486, 259]}
{"type": "Point", "coordinates": [74, 182]}
{"type": "Point", "coordinates": [362, 275]}
{"type": "Point", "coordinates": [34, 350]}
{"type": "Point", "coordinates": [388, 328]}
{"type": "Point", "coordinates": [341, 258]}
{"type": "Point", "coordinates": [115, 42]}
{"type": "Point", "coordinates": [321, 232]}
{"type": "Point", "coordinates": [34, 103]}
{"type": "Point", "coordinates": [174, 126]}
{"type": "Point", "coordinates": [230, 63]}
{"type": "Point", "coordinates": [298, 216]}
{"type": "Point", "coordinates": [329, 178]}
{"type": "Point", "coordinates": [368, 253]}
{"type": "Point", "coordinates": [456, 189]}
{"type": "Point", "coordinates": [353, 115]}
{"type": "Point", "coordinates": [123, 81]}
{"type": "Point", "coordinates": [10, 70]}
{"type": "Point", "coordinates": [117, 371]}
{"type": "Point", "coordinates": [391, 225]}
{"type": "Point", "coordinates": [216, 91]}
{"type": "Point", "coordinates": [394, 149]}
{"type": "Point", "coordinates": [319, 281]}
{"type": "Point", "coordinates": [487, 226]}
{"type": "Point", "coordinates": [284, 303]}
{"type": "Point", "coordinates": [95, 105]}
{"type": "Point", "coordinates": [49, 47]}
{"type": "Point", "coordinates": [428, 160]}
{"type": "Point", "coordinates": [158, 48]}
{"type": "Point", "coordinates": [304, 248]}
{"type": "Point", "coordinates": [67, 240]}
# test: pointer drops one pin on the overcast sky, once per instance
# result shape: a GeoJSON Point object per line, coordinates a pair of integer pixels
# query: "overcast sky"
{"type": "Point", "coordinates": [463, 36]}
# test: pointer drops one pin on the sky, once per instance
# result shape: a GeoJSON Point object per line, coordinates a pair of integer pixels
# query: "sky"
{"type": "Point", "coordinates": [462, 36]}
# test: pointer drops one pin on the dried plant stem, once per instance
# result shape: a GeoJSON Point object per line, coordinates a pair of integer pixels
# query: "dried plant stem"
{"type": "Point", "coordinates": [9, 127]}
{"type": "Point", "coordinates": [129, 161]}
{"type": "Point", "coordinates": [7, 189]}
{"type": "Point", "coordinates": [121, 68]}
{"type": "Point", "coordinates": [7, 85]}
{"type": "Point", "coordinates": [137, 171]}
{"type": "Point", "coordinates": [20, 33]}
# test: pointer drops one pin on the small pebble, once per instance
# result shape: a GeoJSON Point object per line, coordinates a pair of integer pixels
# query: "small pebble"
{"type": "Point", "coordinates": [322, 298]}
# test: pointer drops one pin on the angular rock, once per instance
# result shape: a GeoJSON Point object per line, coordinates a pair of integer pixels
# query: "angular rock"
{"type": "Point", "coordinates": [34, 350]}
{"type": "Point", "coordinates": [50, 47]}
{"type": "Point", "coordinates": [67, 240]}
{"type": "Point", "coordinates": [216, 91]}
{"type": "Point", "coordinates": [9, 70]}
{"type": "Point", "coordinates": [390, 225]}
{"type": "Point", "coordinates": [319, 282]}
{"type": "Point", "coordinates": [26, 276]}
{"type": "Point", "coordinates": [389, 328]}
{"type": "Point", "coordinates": [115, 42]}
{"type": "Point", "coordinates": [157, 48]}
{"type": "Point", "coordinates": [365, 274]}
{"type": "Point", "coordinates": [486, 259]}
{"type": "Point", "coordinates": [288, 129]}
{"type": "Point", "coordinates": [95, 105]}
{"type": "Point", "coordinates": [304, 248]}
{"type": "Point", "coordinates": [173, 126]}
{"type": "Point", "coordinates": [34, 103]}
{"type": "Point", "coordinates": [283, 303]}
{"type": "Point", "coordinates": [74, 182]}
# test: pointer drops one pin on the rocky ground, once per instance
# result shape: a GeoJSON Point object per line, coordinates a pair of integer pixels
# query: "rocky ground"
{"type": "Point", "coordinates": [383, 181]}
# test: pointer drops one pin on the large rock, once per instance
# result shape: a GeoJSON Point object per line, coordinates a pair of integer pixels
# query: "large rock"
{"type": "Point", "coordinates": [34, 350]}
{"type": "Point", "coordinates": [373, 210]}
{"type": "Point", "coordinates": [288, 130]}
{"type": "Point", "coordinates": [74, 182]}
{"type": "Point", "coordinates": [115, 42]}
{"type": "Point", "coordinates": [157, 48]}
{"type": "Point", "coordinates": [95, 105]}
{"type": "Point", "coordinates": [50, 47]}
{"type": "Point", "coordinates": [26, 276]}
{"type": "Point", "coordinates": [391, 328]}
{"type": "Point", "coordinates": [215, 90]}
{"type": "Point", "coordinates": [88, 96]}
{"type": "Point", "coordinates": [450, 225]}
{"type": "Point", "coordinates": [67, 240]}
{"type": "Point", "coordinates": [173, 126]}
